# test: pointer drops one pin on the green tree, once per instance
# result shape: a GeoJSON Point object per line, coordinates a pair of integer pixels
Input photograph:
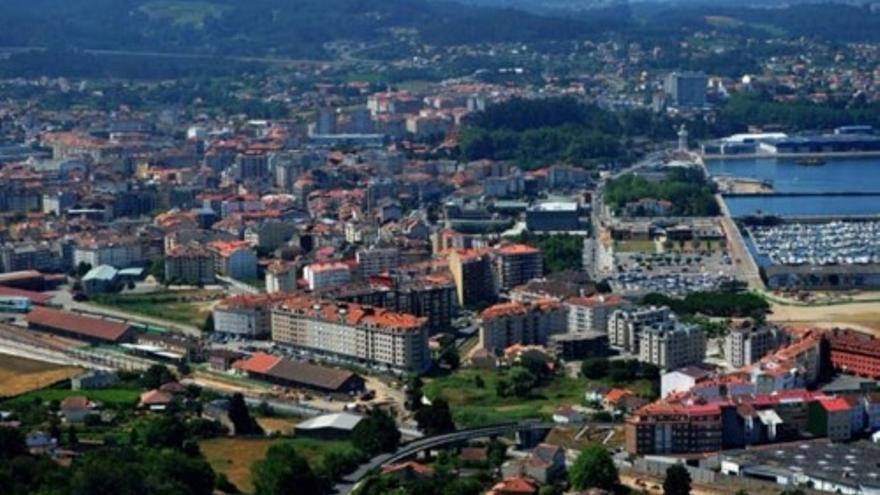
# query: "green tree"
{"type": "Point", "coordinates": [376, 433]}
{"type": "Point", "coordinates": [522, 381]}
{"type": "Point", "coordinates": [157, 269]}
{"type": "Point", "coordinates": [208, 325]}
{"type": "Point", "coordinates": [435, 419]}
{"type": "Point", "coordinates": [173, 472]}
{"type": "Point", "coordinates": [82, 268]}
{"type": "Point", "coordinates": [241, 417]}
{"type": "Point", "coordinates": [594, 467]}
{"type": "Point", "coordinates": [162, 432]}
{"type": "Point", "coordinates": [72, 437]}
{"type": "Point", "coordinates": [155, 376]}
{"type": "Point", "coordinates": [284, 472]}
{"type": "Point", "coordinates": [594, 368]}
{"type": "Point", "coordinates": [463, 486]}
{"type": "Point", "coordinates": [677, 482]}
{"type": "Point", "coordinates": [107, 473]}
{"type": "Point", "coordinates": [12, 443]}
{"type": "Point", "coordinates": [413, 392]}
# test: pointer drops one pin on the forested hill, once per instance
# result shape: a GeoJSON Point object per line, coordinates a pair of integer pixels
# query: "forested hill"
{"type": "Point", "coordinates": [291, 28]}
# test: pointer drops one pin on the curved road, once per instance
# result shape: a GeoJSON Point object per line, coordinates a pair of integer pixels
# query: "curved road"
{"type": "Point", "coordinates": [412, 449]}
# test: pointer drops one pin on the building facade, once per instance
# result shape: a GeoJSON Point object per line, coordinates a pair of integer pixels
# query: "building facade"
{"type": "Point", "coordinates": [506, 324]}
{"type": "Point", "coordinates": [625, 325]}
{"type": "Point", "coordinates": [591, 314]}
{"type": "Point", "coordinates": [363, 335]}
{"type": "Point", "coordinates": [517, 264]}
{"type": "Point", "coordinates": [674, 346]}
{"type": "Point", "coordinates": [744, 346]}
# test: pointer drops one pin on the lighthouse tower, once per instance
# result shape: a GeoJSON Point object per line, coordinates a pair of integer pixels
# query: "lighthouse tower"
{"type": "Point", "coordinates": [682, 139]}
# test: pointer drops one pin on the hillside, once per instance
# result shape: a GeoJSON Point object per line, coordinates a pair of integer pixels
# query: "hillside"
{"type": "Point", "coordinates": [267, 27]}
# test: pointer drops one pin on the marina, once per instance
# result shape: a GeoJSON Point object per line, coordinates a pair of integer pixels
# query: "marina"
{"type": "Point", "coordinates": [833, 243]}
{"type": "Point", "coordinates": [841, 187]}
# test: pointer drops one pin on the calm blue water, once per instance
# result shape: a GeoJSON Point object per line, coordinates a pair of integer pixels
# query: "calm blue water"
{"type": "Point", "coordinates": [838, 175]}
{"type": "Point", "coordinates": [804, 206]}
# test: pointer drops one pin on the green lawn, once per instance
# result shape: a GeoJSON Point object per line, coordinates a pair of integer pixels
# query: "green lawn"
{"type": "Point", "coordinates": [126, 396]}
{"type": "Point", "coordinates": [174, 306]}
{"type": "Point", "coordinates": [191, 13]}
{"type": "Point", "coordinates": [475, 406]}
{"type": "Point", "coordinates": [635, 247]}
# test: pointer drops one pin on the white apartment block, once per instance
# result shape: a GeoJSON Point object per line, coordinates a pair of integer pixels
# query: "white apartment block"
{"type": "Point", "coordinates": [626, 325]}
{"type": "Point", "coordinates": [744, 346]}
{"type": "Point", "coordinates": [281, 278]}
{"type": "Point", "coordinates": [591, 314]}
{"type": "Point", "coordinates": [506, 324]}
{"type": "Point", "coordinates": [116, 254]}
{"type": "Point", "coordinates": [328, 274]}
{"type": "Point", "coordinates": [363, 335]}
{"type": "Point", "coordinates": [672, 346]}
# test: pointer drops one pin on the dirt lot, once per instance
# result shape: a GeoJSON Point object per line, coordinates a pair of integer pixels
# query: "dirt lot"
{"type": "Point", "coordinates": [863, 316]}
{"type": "Point", "coordinates": [234, 457]}
{"type": "Point", "coordinates": [19, 375]}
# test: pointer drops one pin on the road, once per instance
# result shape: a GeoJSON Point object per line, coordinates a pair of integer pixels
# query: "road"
{"type": "Point", "coordinates": [413, 448]}
{"type": "Point", "coordinates": [600, 216]}
{"type": "Point", "coordinates": [746, 267]}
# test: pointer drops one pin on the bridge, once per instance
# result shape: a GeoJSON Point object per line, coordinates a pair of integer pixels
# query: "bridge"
{"type": "Point", "coordinates": [412, 449]}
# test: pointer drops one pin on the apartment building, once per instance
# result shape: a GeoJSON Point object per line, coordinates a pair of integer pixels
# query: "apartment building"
{"type": "Point", "coordinates": [854, 352]}
{"type": "Point", "coordinates": [516, 264]}
{"type": "Point", "coordinates": [663, 428]}
{"type": "Point", "coordinates": [506, 324]}
{"type": "Point", "coordinates": [473, 277]}
{"type": "Point", "coordinates": [591, 314]}
{"type": "Point", "coordinates": [234, 259]}
{"type": "Point", "coordinates": [625, 325]}
{"type": "Point", "coordinates": [363, 335]}
{"type": "Point", "coordinates": [189, 264]}
{"type": "Point", "coordinates": [246, 315]}
{"type": "Point", "coordinates": [15, 257]}
{"type": "Point", "coordinates": [118, 253]}
{"type": "Point", "coordinates": [428, 296]}
{"type": "Point", "coordinates": [281, 277]}
{"type": "Point", "coordinates": [372, 261]}
{"type": "Point", "coordinates": [322, 275]}
{"type": "Point", "coordinates": [673, 346]}
{"type": "Point", "coordinates": [744, 346]}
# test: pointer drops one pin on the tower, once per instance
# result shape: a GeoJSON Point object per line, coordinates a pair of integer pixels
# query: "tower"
{"type": "Point", "coordinates": [682, 138]}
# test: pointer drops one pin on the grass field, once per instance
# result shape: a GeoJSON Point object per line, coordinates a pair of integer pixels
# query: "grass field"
{"type": "Point", "coordinates": [234, 456]}
{"type": "Point", "coordinates": [635, 247]}
{"type": "Point", "coordinates": [279, 424]}
{"type": "Point", "coordinates": [126, 396]}
{"type": "Point", "coordinates": [20, 375]}
{"type": "Point", "coordinates": [187, 307]}
{"type": "Point", "coordinates": [475, 406]}
{"type": "Point", "coordinates": [183, 13]}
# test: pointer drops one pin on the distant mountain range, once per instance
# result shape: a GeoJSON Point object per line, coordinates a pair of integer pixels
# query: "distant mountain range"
{"type": "Point", "coordinates": [303, 28]}
{"type": "Point", "coordinates": [283, 27]}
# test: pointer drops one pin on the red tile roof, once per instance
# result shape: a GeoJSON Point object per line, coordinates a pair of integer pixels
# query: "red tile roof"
{"type": "Point", "coordinates": [516, 249]}
{"type": "Point", "coordinates": [35, 297]}
{"type": "Point", "coordinates": [835, 405]}
{"type": "Point", "coordinates": [260, 362]}
{"type": "Point", "coordinates": [77, 324]}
